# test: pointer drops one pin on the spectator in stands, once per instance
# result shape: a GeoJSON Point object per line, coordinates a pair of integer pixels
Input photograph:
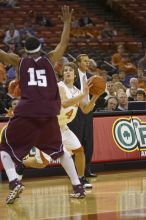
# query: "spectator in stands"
{"type": "Point", "coordinates": [141, 79]}
{"type": "Point", "coordinates": [142, 63]}
{"type": "Point", "coordinates": [11, 73]}
{"type": "Point", "coordinates": [12, 37]}
{"type": "Point", "coordinates": [115, 78]}
{"type": "Point", "coordinates": [75, 22]}
{"type": "Point", "coordinates": [123, 101]}
{"type": "Point", "coordinates": [116, 58]}
{"type": "Point", "coordinates": [110, 89]}
{"type": "Point", "coordinates": [132, 95]}
{"type": "Point", "coordinates": [111, 104]}
{"type": "Point", "coordinates": [86, 21]}
{"type": "Point", "coordinates": [119, 86]}
{"type": "Point", "coordinates": [8, 3]}
{"type": "Point", "coordinates": [108, 32]}
{"type": "Point", "coordinates": [42, 20]}
{"type": "Point", "coordinates": [105, 75]}
{"type": "Point", "coordinates": [126, 65]}
{"type": "Point", "coordinates": [140, 95]}
{"type": "Point", "coordinates": [81, 33]}
{"type": "Point", "coordinates": [123, 78]}
{"type": "Point", "coordinates": [93, 69]}
{"type": "Point", "coordinates": [11, 3]}
{"type": "Point", "coordinates": [133, 83]}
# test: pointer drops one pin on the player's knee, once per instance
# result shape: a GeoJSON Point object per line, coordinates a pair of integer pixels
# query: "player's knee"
{"type": "Point", "coordinates": [78, 151]}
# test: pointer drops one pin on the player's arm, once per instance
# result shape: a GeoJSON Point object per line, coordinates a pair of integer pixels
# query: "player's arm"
{"type": "Point", "coordinates": [86, 108]}
{"type": "Point", "coordinates": [66, 102]}
{"type": "Point", "coordinates": [9, 58]}
{"type": "Point", "coordinates": [58, 52]}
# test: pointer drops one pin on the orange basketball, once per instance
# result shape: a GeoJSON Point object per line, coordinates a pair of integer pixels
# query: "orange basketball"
{"type": "Point", "coordinates": [98, 86]}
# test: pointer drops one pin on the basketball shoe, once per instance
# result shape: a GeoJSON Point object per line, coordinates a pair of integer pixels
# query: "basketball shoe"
{"type": "Point", "coordinates": [85, 183]}
{"type": "Point", "coordinates": [78, 192]}
{"type": "Point", "coordinates": [16, 187]}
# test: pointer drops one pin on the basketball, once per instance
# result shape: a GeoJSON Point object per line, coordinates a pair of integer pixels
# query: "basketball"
{"type": "Point", "coordinates": [98, 86]}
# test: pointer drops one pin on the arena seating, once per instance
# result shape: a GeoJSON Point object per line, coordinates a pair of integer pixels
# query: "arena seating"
{"type": "Point", "coordinates": [133, 11]}
{"type": "Point", "coordinates": [51, 9]}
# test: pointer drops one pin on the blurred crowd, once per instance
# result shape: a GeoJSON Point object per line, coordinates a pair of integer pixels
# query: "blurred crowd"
{"type": "Point", "coordinates": [125, 81]}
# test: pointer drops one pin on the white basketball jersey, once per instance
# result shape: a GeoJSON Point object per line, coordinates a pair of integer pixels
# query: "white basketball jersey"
{"type": "Point", "coordinates": [69, 113]}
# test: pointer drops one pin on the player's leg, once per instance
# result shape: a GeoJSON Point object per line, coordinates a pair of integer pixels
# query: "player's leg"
{"type": "Point", "coordinates": [68, 164]}
{"type": "Point", "coordinates": [7, 161]}
{"type": "Point", "coordinates": [72, 144]}
{"type": "Point", "coordinates": [8, 165]}
{"type": "Point", "coordinates": [37, 161]}
{"type": "Point", "coordinates": [54, 148]}
{"type": "Point", "coordinates": [41, 160]}
{"type": "Point", "coordinates": [79, 160]}
{"type": "Point", "coordinates": [15, 186]}
{"type": "Point", "coordinates": [13, 145]}
{"type": "Point", "coordinates": [80, 166]}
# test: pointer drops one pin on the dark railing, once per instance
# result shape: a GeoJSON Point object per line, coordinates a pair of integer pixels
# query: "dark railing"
{"type": "Point", "coordinates": [118, 113]}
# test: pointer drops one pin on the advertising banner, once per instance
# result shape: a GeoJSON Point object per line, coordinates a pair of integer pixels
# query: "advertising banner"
{"type": "Point", "coordinates": [118, 138]}
{"type": "Point", "coordinates": [115, 138]}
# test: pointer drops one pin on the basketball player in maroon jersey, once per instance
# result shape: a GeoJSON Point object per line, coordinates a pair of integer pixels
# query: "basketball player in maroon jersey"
{"type": "Point", "coordinates": [35, 117]}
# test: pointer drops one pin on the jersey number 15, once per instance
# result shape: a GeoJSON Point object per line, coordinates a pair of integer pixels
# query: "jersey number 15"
{"type": "Point", "coordinates": [37, 77]}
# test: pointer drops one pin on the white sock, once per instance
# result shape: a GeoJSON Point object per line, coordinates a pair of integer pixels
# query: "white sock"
{"type": "Point", "coordinates": [8, 165]}
{"type": "Point", "coordinates": [68, 164]}
{"type": "Point", "coordinates": [19, 177]}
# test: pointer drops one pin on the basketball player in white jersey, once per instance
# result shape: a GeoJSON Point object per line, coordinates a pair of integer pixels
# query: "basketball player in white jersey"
{"type": "Point", "coordinates": [71, 99]}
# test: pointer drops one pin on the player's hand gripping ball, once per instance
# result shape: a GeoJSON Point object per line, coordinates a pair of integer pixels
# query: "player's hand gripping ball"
{"type": "Point", "coordinates": [98, 85]}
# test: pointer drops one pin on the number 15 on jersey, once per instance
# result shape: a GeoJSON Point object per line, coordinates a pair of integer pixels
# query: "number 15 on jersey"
{"type": "Point", "coordinates": [37, 77]}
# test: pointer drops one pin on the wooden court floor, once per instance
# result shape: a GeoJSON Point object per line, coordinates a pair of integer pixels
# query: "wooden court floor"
{"type": "Point", "coordinates": [115, 195]}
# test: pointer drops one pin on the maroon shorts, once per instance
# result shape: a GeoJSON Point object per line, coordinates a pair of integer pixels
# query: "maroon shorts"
{"type": "Point", "coordinates": [22, 134]}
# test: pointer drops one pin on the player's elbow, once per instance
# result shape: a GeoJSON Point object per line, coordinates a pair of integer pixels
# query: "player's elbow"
{"type": "Point", "coordinates": [65, 104]}
{"type": "Point", "coordinates": [85, 110]}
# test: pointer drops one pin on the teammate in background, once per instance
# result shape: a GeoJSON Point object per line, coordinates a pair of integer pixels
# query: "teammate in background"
{"type": "Point", "coordinates": [35, 120]}
{"type": "Point", "coordinates": [71, 99]}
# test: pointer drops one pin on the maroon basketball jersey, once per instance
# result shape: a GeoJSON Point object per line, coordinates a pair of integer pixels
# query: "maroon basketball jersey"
{"type": "Point", "coordinates": [39, 90]}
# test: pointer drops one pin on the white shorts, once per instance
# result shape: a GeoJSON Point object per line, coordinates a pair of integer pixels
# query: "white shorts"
{"type": "Point", "coordinates": [69, 139]}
